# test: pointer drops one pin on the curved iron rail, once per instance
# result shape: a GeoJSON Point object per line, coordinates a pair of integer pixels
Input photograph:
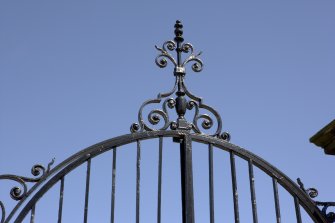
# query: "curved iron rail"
{"type": "Point", "coordinates": [56, 174]}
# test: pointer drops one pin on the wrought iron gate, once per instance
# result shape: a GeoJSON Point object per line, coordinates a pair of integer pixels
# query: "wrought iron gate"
{"type": "Point", "coordinates": [183, 132]}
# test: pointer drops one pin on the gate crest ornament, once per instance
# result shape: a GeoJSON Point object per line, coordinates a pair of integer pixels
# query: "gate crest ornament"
{"type": "Point", "coordinates": [180, 103]}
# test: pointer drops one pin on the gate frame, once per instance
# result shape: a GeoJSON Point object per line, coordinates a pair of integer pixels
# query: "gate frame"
{"type": "Point", "coordinates": [54, 176]}
{"type": "Point", "coordinates": [45, 178]}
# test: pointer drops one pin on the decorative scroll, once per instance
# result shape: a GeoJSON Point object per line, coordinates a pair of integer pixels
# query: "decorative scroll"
{"type": "Point", "coordinates": [198, 65]}
{"type": "Point", "coordinates": [186, 48]}
{"type": "Point", "coordinates": [155, 116]}
{"type": "Point", "coordinates": [161, 58]}
{"type": "Point", "coordinates": [207, 121]}
{"type": "Point", "coordinates": [313, 193]}
{"type": "Point", "coordinates": [19, 192]}
{"type": "Point", "coordinates": [205, 116]}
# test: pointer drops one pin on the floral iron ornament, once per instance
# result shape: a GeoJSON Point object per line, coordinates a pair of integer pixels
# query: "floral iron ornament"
{"type": "Point", "coordinates": [181, 104]}
{"type": "Point", "coordinates": [313, 193]}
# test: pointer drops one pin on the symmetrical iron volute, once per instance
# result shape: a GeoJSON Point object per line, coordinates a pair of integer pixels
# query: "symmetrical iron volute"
{"type": "Point", "coordinates": [181, 103]}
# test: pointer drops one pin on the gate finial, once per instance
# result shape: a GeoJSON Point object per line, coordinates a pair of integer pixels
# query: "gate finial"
{"type": "Point", "coordinates": [180, 48]}
{"type": "Point", "coordinates": [180, 103]}
{"type": "Point", "coordinates": [178, 32]}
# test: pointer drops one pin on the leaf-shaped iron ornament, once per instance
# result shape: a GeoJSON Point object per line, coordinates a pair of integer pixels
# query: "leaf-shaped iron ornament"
{"type": "Point", "coordinates": [313, 193]}
{"type": "Point", "coordinates": [185, 100]}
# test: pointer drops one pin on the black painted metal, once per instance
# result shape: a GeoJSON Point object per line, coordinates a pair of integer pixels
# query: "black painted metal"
{"type": "Point", "coordinates": [252, 191]}
{"type": "Point", "coordinates": [234, 185]}
{"type": "Point", "coordinates": [180, 103]}
{"type": "Point", "coordinates": [159, 196]}
{"type": "Point", "coordinates": [186, 174]}
{"type": "Point", "coordinates": [113, 185]}
{"type": "Point", "coordinates": [182, 131]}
{"type": "Point", "coordinates": [61, 170]}
{"type": "Point", "coordinates": [211, 183]}
{"type": "Point", "coordinates": [87, 190]}
{"type": "Point", "coordinates": [297, 209]}
{"type": "Point", "coordinates": [313, 193]}
{"type": "Point", "coordinates": [276, 197]}
{"type": "Point", "coordinates": [32, 216]}
{"type": "Point", "coordinates": [61, 195]}
{"type": "Point", "coordinates": [138, 180]}
{"type": "Point", "coordinates": [3, 212]}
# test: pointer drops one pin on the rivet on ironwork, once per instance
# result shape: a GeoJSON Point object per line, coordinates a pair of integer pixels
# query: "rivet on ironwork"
{"type": "Point", "coordinates": [313, 193]}
{"type": "Point", "coordinates": [184, 100]}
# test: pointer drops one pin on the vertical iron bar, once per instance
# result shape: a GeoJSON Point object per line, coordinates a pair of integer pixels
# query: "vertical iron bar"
{"type": "Point", "coordinates": [297, 209]}
{"type": "Point", "coordinates": [32, 217]}
{"type": "Point", "coordinates": [252, 191]}
{"type": "Point", "coordinates": [113, 185]}
{"type": "Point", "coordinates": [88, 173]}
{"type": "Point", "coordinates": [234, 185]}
{"type": "Point", "coordinates": [276, 197]}
{"type": "Point", "coordinates": [159, 180]}
{"type": "Point", "coordinates": [61, 194]}
{"type": "Point", "coordinates": [138, 175]}
{"type": "Point", "coordinates": [187, 179]}
{"type": "Point", "coordinates": [211, 182]}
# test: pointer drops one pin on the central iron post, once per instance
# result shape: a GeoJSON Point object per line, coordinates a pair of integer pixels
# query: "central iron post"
{"type": "Point", "coordinates": [186, 172]}
{"type": "Point", "coordinates": [179, 72]}
{"type": "Point", "coordinates": [183, 101]}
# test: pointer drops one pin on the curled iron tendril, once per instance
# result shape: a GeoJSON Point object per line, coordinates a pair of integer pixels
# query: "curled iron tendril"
{"type": "Point", "coordinates": [186, 48]}
{"type": "Point", "coordinates": [17, 193]}
{"type": "Point", "coordinates": [198, 65]}
{"type": "Point", "coordinates": [155, 116]}
{"type": "Point", "coordinates": [161, 58]}
{"type": "Point", "coordinates": [207, 121]}
{"type": "Point", "coordinates": [180, 103]}
{"type": "Point", "coordinates": [313, 193]}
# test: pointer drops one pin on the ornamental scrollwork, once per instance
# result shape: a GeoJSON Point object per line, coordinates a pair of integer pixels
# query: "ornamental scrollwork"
{"type": "Point", "coordinates": [198, 65]}
{"type": "Point", "coordinates": [185, 48]}
{"type": "Point", "coordinates": [161, 58]}
{"type": "Point", "coordinates": [313, 193]}
{"type": "Point", "coordinates": [205, 117]}
{"type": "Point", "coordinates": [20, 191]}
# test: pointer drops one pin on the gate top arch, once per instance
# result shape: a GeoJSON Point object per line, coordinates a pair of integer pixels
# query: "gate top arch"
{"type": "Point", "coordinates": [205, 127]}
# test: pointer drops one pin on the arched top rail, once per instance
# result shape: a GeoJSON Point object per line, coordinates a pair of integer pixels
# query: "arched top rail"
{"type": "Point", "coordinates": [57, 173]}
{"type": "Point", "coordinates": [204, 126]}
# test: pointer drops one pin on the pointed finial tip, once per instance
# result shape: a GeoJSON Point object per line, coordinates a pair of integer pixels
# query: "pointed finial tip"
{"type": "Point", "coordinates": [178, 31]}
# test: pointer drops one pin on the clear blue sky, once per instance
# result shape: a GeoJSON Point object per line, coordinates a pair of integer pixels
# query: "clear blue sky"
{"type": "Point", "coordinates": [74, 73]}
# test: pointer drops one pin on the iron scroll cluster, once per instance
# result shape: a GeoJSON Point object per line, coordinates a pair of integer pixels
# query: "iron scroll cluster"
{"type": "Point", "coordinates": [181, 104]}
{"type": "Point", "coordinates": [313, 193]}
{"type": "Point", "coordinates": [17, 193]}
